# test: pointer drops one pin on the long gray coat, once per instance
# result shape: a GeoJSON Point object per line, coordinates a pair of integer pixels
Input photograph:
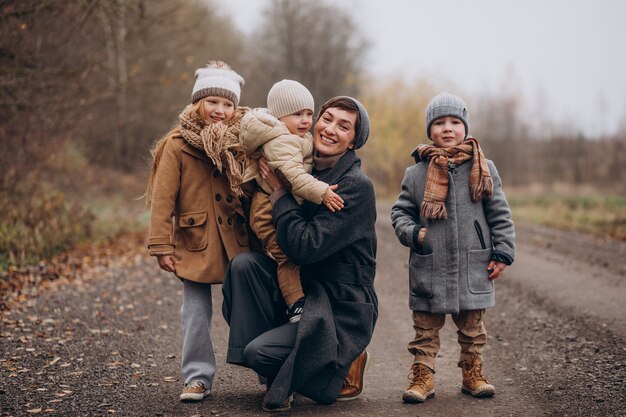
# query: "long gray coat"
{"type": "Point", "coordinates": [449, 272]}
{"type": "Point", "coordinates": [337, 255]}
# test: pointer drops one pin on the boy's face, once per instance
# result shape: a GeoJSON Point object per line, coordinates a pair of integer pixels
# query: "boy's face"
{"type": "Point", "coordinates": [299, 122]}
{"type": "Point", "coordinates": [217, 109]}
{"type": "Point", "coordinates": [447, 132]}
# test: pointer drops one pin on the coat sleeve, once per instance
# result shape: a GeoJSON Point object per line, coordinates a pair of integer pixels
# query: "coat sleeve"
{"type": "Point", "coordinates": [405, 213]}
{"type": "Point", "coordinates": [284, 154]}
{"type": "Point", "coordinates": [306, 241]}
{"type": "Point", "coordinates": [500, 222]}
{"type": "Point", "coordinates": [164, 194]}
{"type": "Point", "coordinates": [258, 129]}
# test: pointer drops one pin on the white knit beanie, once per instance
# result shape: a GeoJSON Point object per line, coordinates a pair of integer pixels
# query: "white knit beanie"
{"type": "Point", "coordinates": [446, 104]}
{"type": "Point", "coordinates": [217, 79]}
{"type": "Point", "coordinates": [288, 97]}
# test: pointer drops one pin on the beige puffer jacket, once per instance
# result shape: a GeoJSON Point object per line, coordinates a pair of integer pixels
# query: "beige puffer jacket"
{"type": "Point", "coordinates": [287, 154]}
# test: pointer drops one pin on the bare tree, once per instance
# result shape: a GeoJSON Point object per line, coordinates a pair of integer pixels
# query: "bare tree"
{"type": "Point", "coordinates": [312, 42]}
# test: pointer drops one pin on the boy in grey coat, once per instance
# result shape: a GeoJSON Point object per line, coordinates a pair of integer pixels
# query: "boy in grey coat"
{"type": "Point", "coordinates": [454, 217]}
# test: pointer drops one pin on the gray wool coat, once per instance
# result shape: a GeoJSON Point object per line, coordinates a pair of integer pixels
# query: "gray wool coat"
{"type": "Point", "coordinates": [449, 272]}
{"type": "Point", "coordinates": [337, 255]}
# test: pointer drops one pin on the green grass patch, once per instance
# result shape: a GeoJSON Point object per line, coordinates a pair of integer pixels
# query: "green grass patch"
{"type": "Point", "coordinates": [593, 214]}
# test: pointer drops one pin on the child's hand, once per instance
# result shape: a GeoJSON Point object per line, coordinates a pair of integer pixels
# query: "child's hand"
{"type": "Point", "coordinates": [167, 263]}
{"type": "Point", "coordinates": [496, 268]}
{"type": "Point", "coordinates": [421, 235]}
{"type": "Point", "coordinates": [332, 200]}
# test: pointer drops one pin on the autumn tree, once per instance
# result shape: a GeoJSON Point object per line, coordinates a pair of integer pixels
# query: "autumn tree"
{"type": "Point", "coordinates": [86, 84]}
{"type": "Point", "coordinates": [396, 109]}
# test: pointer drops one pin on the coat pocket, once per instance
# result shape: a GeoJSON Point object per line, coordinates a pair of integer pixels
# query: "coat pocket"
{"type": "Point", "coordinates": [194, 230]}
{"type": "Point", "coordinates": [421, 270]}
{"type": "Point", "coordinates": [477, 274]}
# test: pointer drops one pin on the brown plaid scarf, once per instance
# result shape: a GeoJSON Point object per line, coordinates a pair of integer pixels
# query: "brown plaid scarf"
{"type": "Point", "coordinates": [480, 181]}
{"type": "Point", "coordinates": [221, 143]}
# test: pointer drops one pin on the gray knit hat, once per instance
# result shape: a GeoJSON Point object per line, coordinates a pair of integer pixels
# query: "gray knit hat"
{"type": "Point", "coordinates": [288, 97]}
{"type": "Point", "coordinates": [446, 104]}
{"type": "Point", "coordinates": [217, 79]}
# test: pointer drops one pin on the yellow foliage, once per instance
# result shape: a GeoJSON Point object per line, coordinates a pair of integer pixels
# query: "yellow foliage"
{"type": "Point", "coordinates": [396, 109]}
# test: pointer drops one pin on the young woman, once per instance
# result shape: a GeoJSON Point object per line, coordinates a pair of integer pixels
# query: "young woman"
{"type": "Point", "coordinates": [337, 255]}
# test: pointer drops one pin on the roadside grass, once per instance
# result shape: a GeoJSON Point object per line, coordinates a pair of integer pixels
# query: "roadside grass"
{"type": "Point", "coordinates": [600, 215]}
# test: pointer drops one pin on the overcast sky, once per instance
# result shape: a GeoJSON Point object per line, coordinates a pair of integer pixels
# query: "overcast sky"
{"type": "Point", "coordinates": [566, 57]}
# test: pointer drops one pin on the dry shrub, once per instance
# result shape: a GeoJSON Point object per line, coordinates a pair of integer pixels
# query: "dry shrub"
{"type": "Point", "coordinates": [39, 225]}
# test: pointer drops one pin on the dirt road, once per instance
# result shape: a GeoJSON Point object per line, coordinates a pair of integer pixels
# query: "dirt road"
{"type": "Point", "coordinates": [109, 342]}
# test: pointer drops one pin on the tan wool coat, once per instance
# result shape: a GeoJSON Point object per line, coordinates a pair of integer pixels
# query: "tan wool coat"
{"type": "Point", "coordinates": [194, 214]}
{"type": "Point", "coordinates": [289, 155]}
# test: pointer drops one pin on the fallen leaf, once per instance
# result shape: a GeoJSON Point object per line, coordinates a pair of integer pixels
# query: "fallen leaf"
{"type": "Point", "coordinates": [169, 379]}
{"type": "Point", "coordinates": [55, 360]}
{"type": "Point", "coordinates": [34, 410]}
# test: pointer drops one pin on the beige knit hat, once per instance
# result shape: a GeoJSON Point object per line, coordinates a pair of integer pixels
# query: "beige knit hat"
{"type": "Point", "coordinates": [288, 97]}
{"type": "Point", "coordinates": [217, 79]}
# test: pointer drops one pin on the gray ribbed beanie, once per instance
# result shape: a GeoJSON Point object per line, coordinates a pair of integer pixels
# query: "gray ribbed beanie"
{"type": "Point", "coordinates": [446, 104]}
{"type": "Point", "coordinates": [217, 79]}
{"type": "Point", "coordinates": [287, 97]}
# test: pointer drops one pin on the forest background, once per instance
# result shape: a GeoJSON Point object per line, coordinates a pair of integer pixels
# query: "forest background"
{"type": "Point", "coordinates": [87, 86]}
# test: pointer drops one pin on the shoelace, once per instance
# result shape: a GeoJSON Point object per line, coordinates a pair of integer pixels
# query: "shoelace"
{"type": "Point", "coordinates": [195, 384]}
{"type": "Point", "coordinates": [418, 375]}
{"type": "Point", "coordinates": [474, 370]}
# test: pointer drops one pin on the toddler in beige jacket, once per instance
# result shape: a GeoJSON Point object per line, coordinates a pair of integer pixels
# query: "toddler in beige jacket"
{"type": "Point", "coordinates": [281, 135]}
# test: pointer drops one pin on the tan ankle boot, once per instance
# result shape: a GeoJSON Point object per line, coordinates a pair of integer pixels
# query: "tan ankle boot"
{"type": "Point", "coordinates": [474, 382]}
{"type": "Point", "coordinates": [353, 384]}
{"type": "Point", "coordinates": [422, 385]}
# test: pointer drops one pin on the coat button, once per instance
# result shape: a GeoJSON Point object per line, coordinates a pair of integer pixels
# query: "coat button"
{"type": "Point", "coordinates": [229, 198]}
{"type": "Point", "coordinates": [190, 222]}
{"type": "Point", "coordinates": [218, 197]}
{"type": "Point", "coordinates": [230, 221]}
{"type": "Point", "coordinates": [216, 173]}
{"type": "Point", "coordinates": [219, 220]}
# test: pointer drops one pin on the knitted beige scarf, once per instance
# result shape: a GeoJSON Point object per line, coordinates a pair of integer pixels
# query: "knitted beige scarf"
{"type": "Point", "coordinates": [220, 141]}
{"type": "Point", "coordinates": [436, 190]}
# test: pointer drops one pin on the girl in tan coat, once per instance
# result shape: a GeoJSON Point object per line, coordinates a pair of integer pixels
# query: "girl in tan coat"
{"type": "Point", "coordinates": [197, 222]}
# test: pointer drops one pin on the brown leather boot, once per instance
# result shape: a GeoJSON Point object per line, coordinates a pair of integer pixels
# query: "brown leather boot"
{"type": "Point", "coordinates": [422, 384]}
{"type": "Point", "coordinates": [474, 382]}
{"type": "Point", "coordinates": [353, 384]}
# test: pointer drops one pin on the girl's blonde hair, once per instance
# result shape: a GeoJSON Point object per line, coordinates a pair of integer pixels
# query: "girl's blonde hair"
{"type": "Point", "coordinates": [197, 110]}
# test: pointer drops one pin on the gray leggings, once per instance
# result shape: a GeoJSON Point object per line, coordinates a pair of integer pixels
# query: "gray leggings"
{"type": "Point", "coordinates": [198, 358]}
{"type": "Point", "coordinates": [260, 337]}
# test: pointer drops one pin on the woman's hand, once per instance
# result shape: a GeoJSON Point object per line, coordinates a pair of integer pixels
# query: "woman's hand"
{"type": "Point", "coordinates": [496, 268]}
{"type": "Point", "coordinates": [167, 262]}
{"type": "Point", "coordinates": [269, 175]}
{"type": "Point", "coordinates": [332, 200]}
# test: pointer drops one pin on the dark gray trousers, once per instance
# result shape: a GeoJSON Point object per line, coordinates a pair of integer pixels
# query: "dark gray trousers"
{"type": "Point", "coordinates": [260, 336]}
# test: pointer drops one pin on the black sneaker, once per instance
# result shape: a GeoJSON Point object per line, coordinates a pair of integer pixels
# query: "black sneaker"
{"type": "Point", "coordinates": [296, 309]}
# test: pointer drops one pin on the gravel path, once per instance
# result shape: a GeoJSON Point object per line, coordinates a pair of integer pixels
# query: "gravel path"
{"type": "Point", "coordinates": [108, 342]}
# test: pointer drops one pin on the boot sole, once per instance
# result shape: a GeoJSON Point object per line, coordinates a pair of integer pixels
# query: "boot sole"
{"type": "Point", "coordinates": [415, 399]}
{"type": "Point", "coordinates": [479, 394]}
{"type": "Point", "coordinates": [191, 398]}
{"type": "Point", "coordinates": [355, 396]}
{"type": "Point", "coordinates": [279, 409]}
